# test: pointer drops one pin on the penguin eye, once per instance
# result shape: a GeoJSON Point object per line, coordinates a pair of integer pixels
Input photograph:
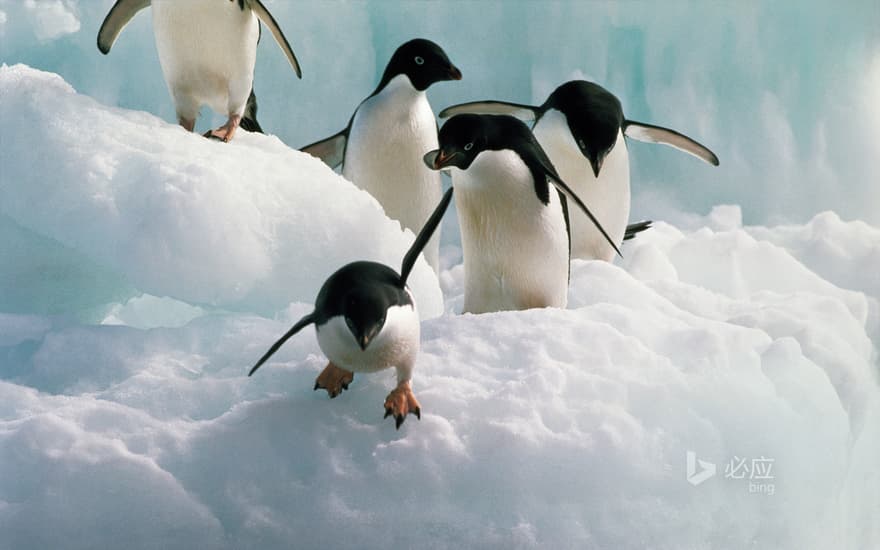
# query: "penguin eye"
{"type": "Point", "coordinates": [581, 144]}
{"type": "Point", "coordinates": [469, 146]}
{"type": "Point", "coordinates": [419, 60]}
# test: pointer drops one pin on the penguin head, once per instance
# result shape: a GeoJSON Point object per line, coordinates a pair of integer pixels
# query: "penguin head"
{"type": "Point", "coordinates": [461, 139]}
{"type": "Point", "coordinates": [423, 62]}
{"type": "Point", "coordinates": [364, 312]}
{"type": "Point", "coordinates": [594, 117]}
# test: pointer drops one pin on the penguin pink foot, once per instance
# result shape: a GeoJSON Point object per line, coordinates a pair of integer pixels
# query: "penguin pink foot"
{"type": "Point", "coordinates": [225, 132]}
{"type": "Point", "coordinates": [401, 402]}
{"type": "Point", "coordinates": [334, 380]}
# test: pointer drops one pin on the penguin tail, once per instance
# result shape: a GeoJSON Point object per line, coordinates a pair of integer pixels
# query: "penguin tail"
{"type": "Point", "coordinates": [249, 118]}
{"type": "Point", "coordinates": [634, 229]}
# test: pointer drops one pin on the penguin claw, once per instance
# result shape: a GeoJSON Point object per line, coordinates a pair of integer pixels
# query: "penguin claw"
{"type": "Point", "coordinates": [401, 402]}
{"type": "Point", "coordinates": [334, 380]}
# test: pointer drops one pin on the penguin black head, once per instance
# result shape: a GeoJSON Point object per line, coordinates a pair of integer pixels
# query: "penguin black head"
{"type": "Point", "coordinates": [365, 310]}
{"type": "Point", "coordinates": [465, 136]}
{"type": "Point", "coordinates": [423, 61]}
{"type": "Point", "coordinates": [594, 117]}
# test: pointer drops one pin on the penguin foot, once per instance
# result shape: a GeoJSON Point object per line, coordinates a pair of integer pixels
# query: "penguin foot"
{"type": "Point", "coordinates": [334, 380]}
{"type": "Point", "coordinates": [225, 132]}
{"type": "Point", "coordinates": [401, 402]}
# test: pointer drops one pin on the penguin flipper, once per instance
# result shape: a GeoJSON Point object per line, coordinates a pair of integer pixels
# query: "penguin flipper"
{"type": "Point", "coordinates": [520, 111]}
{"type": "Point", "coordinates": [301, 324]}
{"type": "Point", "coordinates": [263, 14]}
{"type": "Point", "coordinates": [117, 18]}
{"type": "Point", "coordinates": [567, 191]}
{"type": "Point", "coordinates": [330, 150]}
{"type": "Point", "coordinates": [657, 134]}
{"type": "Point", "coordinates": [634, 229]}
{"type": "Point", "coordinates": [249, 118]}
{"type": "Point", "coordinates": [409, 260]}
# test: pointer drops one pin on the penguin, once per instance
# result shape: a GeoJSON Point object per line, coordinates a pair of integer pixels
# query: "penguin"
{"type": "Point", "coordinates": [207, 50]}
{"type": "Point", "coordinates": [381, 148]}
{"type": "Point", "coordinates": [581, 127]}
{"type": "Point", "coordinates": [366, 320]}
{"type": "Point", "coordinates": [515, 232]}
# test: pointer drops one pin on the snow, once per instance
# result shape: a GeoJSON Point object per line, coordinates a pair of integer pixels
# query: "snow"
{"type": "Point", "coordinates": [146, 269]}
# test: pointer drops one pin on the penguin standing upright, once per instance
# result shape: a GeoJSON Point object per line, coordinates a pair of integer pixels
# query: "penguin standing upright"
{"type": "Point", "coordinates": [381, 148]}
{"type": "Point", "coordinates": [514, 227]}
{"type": "Point", "coordinates": [207, 50]}
{"type": "Point", "coordinates": [581, 127]}
{"type": "Point", "coordinates": [366, 320]}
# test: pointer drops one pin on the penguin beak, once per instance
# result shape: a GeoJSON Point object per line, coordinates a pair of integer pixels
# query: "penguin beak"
{"type": "Point", "coordinates": [596, 162]}
{"type": "Point", "coordinates": [438, 159]}
{"type": "Point", "coordinates": [363, 341]}
{"type": "Point", "coordinates": [454, 73]}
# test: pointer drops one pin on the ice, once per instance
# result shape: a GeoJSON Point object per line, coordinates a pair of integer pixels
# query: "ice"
{"type": "Point", "coordinates": [129, 420]}
{"type": "Point", "coordinates": [144, 270]}
{"type": "Point", "coordinates": [253, 226]}
{"type": "Point", "coordinates": [793, 119]}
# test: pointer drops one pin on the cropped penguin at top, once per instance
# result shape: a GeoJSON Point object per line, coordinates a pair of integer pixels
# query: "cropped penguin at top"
{"type": "Point", "coordinates": [581, 127]}
{"type": "Point", "coordinates": [207, 50]}
{"type": "Point", "coordinates": [514, 229]}
{"type": "Point", "coordinates": [381, 148]}
{"type": "Point", "coordinates": [366, 320]}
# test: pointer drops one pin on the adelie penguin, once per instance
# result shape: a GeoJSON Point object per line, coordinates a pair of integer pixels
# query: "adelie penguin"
{"type": "Point", "coordinates": [381, 148]}
{"type": "Point", "coordinates": [513, 213]}
{"type": "Point", "coordinates": [207, 49]}
{"type": "Point", "coordinates": [366, 321]}
{"type": "Point", "coordinates": [581, 127]}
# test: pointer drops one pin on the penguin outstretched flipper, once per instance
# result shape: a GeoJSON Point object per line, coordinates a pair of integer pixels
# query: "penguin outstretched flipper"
{"type": "Point", "coordinates": [301, 324]}
{"type": "Point", "coordinates": [118, 17]}
{"type": "Point", "coordinates": [266, 18]}
{"type": "Point", "coordinates": [330, 150]}
{"type": "Point", "coordinates": [249, 118]}
{"type": "Point", "coordinates": [492, 107]}
{"type": "Point", "coordinates": [657, 134]}
{"type": "Point", "coordinates": [409, 260]}
{"type": "Point", "coordinates": [634, 229]}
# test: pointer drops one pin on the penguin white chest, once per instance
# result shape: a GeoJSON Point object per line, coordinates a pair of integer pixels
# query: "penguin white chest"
{"type": "Point", "coordinates": [396, 345]}
{"type": "Point", "coordinates": [389, 134]}
{"type": "Point", "coordinates": [515, 247]}
{"type": "Point", "coordinates": [207, 49]}
{"type": "Point", "coordinates": [607, 196]}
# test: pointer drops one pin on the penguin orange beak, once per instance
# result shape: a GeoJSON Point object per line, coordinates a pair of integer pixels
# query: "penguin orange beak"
{"type": "Point", "coordinates": [438, 159]}
{"type": "Point", "coordinates": [454, 73]}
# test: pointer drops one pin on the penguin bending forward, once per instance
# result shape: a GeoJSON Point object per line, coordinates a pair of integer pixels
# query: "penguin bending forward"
{"type": "Point", "coordinates": [366, 321]}
{"type": "Point", "coordinates": [581, 127]}
{"type": "Point", "coordinates": [207, 50]}
{"type": "Point", "coordinates": [514, 227]}
{"type": "Point", "coordinates": [381, 148]}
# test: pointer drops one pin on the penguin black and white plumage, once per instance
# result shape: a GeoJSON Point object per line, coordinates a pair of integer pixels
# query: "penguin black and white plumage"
{"type": "Point", "coordinates": [366, 321]}
{"type": "Point", "coordinates": [207, 50]}
{"type": "Point", "coordinates": [381, 148]}
{"type": "Point", "coordinates": [581, 127]}
{"type": "Point", "coordinates": [513, 213]}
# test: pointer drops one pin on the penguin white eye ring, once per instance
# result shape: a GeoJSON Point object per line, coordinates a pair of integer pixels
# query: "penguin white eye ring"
{"type": "Point", "coordinates": [469, 146]}
{"type": "Point", "coordinates": [366, 321]}
{"type": "Point", "coordinates": [419, 60]}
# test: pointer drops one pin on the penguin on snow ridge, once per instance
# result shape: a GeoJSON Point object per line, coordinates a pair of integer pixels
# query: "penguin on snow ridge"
{"type": "Point", "coordinates": [513, 213]}
{"type": "Point", "coordinates": [381, 148]}
{"type": "Point", "coordinates": [366, 320]}
{"type": "Point", "coordinates": [207, 50]}
{"type": "Point", "coordinates": [581, 127]}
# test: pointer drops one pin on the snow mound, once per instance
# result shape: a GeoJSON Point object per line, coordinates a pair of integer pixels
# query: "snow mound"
{"type": "Point", "coordinates": [248, 225]}
{"type": "Point", "coordinates": [716, 389]}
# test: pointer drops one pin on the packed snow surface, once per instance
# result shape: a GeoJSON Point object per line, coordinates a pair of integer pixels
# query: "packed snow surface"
{"type": "Point", "coordinates": [145, 269]}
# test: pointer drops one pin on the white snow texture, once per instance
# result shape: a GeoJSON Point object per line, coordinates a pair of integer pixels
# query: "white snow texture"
{"type": "Point", "coordinates": [143, 270]}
